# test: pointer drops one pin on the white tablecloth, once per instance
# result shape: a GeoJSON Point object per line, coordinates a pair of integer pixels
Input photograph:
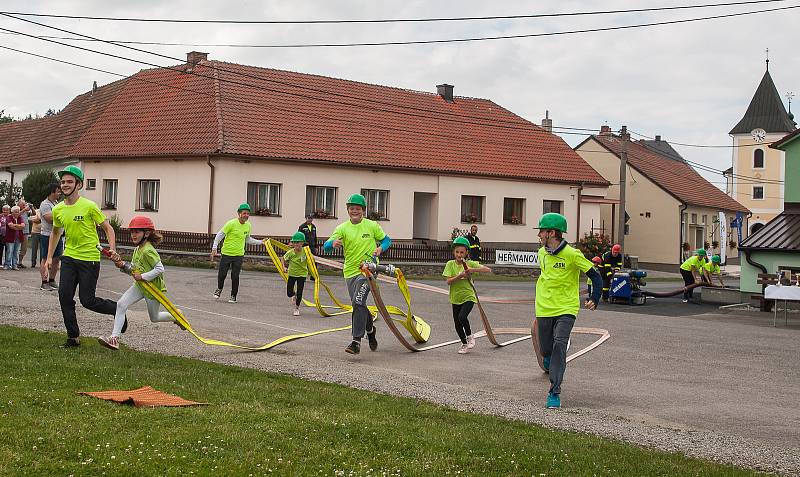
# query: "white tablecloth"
{"type": "Point", "coordinates": [778, 292]}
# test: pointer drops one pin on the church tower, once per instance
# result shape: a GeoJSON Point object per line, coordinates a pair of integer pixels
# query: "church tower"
{"type": "Point", "coordinates": [758, 170]}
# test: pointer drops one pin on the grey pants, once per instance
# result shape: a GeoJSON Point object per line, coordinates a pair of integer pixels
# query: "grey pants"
{"type": "Point", "coordinates": [358, 287]}
{"type": "Point", "coordinates": [553, 338]}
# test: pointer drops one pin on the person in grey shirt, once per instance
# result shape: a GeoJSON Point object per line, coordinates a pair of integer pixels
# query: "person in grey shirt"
{"type": "Point", "coordinates": [46, 214]}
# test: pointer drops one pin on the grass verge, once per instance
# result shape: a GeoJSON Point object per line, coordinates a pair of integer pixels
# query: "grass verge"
{"type": "Point", "coordinates": [260, 423]}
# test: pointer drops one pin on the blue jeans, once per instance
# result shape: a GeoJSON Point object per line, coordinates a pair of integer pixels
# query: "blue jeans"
{"type": "Point", "coordinates": [553, 338]}
{"type": "Point", "coordinates": [12, 254]}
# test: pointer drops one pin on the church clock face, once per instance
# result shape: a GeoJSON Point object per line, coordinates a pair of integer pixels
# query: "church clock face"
{"type": "Point", "coordinates": [758, 135]}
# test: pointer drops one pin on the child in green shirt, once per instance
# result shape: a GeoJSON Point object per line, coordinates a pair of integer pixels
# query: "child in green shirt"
{"type": "Point", "coordinates": [148, 268]}
{"type": "Point", "coordinates": [462, 295]}
{"type": "Point", "coordinates": [295, 263]}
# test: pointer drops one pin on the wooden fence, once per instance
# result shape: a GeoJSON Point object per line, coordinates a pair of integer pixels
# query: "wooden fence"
{"type": "Point", "coordinates": [400, 251]}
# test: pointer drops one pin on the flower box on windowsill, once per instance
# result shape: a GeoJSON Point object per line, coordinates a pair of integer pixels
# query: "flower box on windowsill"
{"type": "Point", "coordinates": [265, 213]}
{"type": "Point", "coordinates": [146, 210]}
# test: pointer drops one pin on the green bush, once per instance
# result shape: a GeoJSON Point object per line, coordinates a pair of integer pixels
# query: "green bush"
{"type": "Point", "coordinates": [34, 186]}
{"type": "Point", "coordinates": [594, 245]}
{"type": "Point", "coordinates": [9, 195]}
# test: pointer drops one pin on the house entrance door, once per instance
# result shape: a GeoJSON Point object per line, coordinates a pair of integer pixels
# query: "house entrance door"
{"type": "Point", "coordinates": [425, 225]}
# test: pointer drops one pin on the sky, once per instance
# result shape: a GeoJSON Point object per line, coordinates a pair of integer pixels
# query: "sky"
{"type": "Point", "coordinates": [688, 82]}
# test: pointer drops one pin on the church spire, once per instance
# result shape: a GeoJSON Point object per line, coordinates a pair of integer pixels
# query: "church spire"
{"type": "Point", "coordinates": [766, 110]}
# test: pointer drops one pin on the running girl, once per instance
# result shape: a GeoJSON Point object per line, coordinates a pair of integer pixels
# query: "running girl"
{"type": "Point", "coordinates": [295, 263]}
{"type": "Point", "coordinates": [462, 295]}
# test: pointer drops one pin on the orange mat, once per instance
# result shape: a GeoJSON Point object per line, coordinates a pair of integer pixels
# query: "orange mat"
{"type": "Point", "coordinates": [143, 397]}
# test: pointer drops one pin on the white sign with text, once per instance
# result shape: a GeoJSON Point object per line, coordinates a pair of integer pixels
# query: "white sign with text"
{"type": "Point", "coordinates": [511, 257]}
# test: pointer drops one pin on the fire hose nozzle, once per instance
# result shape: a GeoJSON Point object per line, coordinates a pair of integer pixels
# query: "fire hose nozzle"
{"type": "Point", "coordinates": [126, 268]}
{"type": "Point", "coordinates": [385, 269]}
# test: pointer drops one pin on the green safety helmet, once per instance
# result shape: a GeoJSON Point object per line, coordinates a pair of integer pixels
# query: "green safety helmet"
{"type": "Point", "coordinates": [72, 170]}
{"type": "Point", "coordinates": [701, 252]}
{"type": "Point", "coordinates": [357, 199]}
{"type": "Point", "coordinates": [716, 259]}
{"type": "Point", "coordinates": [462, 241]}
{"type": "Point", "coordinates": [244, 206]}
{"type": "Point", "coordinates": [553, 221]}
{"type": "Point", "coordinates": [298, 237]}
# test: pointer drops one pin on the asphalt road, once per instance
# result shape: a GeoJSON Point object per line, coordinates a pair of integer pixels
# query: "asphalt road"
{"type": "Point", "coordinates": [675, 365]}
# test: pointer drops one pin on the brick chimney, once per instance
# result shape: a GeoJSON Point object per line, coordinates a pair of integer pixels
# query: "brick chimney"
{"type": "Point", "coordinates": [195, 57]}
{"type": "Point", "coordinates": [605, 130]}
{"type": "Point", "coordinates": [445, 91]}
{"type": "Point", "coordinates": [547, 123]}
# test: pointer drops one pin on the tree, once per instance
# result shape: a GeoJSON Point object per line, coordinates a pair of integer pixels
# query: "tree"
{"type": "Point", "coordinates": [594, 245]}
{"type": "Point", "coordinates": [34, 186]}
{"type": "Point", "coordinates": [4, 118]}
{"type": "Point", "coordinates": [9, 195]}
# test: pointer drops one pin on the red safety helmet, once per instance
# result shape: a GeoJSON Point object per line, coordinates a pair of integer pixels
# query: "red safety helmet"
{"type": "Point", "coordinates": [142, 222]}
{"type": "Point", "coordinates": [617, 248]}
{"type": "Point", "coordinates": [597, 260]}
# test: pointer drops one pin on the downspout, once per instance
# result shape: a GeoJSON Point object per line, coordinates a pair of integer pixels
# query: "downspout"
{"type": "Point", "coordinates": [578, 228]}
{"type": "Point", "coordinates": [210, 195]}
{"type": "Point", "coordinates": [754, 263]}
{"type": "Point", "coordinates": [682, 209]}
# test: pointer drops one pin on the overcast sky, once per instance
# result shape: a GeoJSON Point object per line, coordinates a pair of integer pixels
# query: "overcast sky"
{"type": "Point", "coordinates": [688, 82]}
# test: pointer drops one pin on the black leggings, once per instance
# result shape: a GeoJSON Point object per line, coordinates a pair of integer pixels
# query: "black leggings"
{"type": "Point", "coordinates": [290, 292]}
{"type": "Point", "coordinates": [688, 279]}
{"type": "Point", "coordinates": [461, 319]}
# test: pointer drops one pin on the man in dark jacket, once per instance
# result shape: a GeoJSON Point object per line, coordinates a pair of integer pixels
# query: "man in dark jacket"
{"type": "Point", "coordinates": [612, 261]}
{"type": "Point", "coordinates": [474, 244]}
{"type": "Point", "coordinates": [310, 231]}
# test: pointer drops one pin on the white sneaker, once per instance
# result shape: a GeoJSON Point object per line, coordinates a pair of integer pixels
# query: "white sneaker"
{"type": "Point", "coordinates": [471, 342]}
{"type": "Point", "coordinates": [685, 301]}
{"type": "Point", "coordinates": [464, 349]}
{"type": "Point", "coordinates": [296, 312]}
{"type": "Point", "coordinates": [112, 342]}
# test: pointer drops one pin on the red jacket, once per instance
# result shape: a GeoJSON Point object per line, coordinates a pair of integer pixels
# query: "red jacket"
{"type": "Point", "coordinates": [11, 234]}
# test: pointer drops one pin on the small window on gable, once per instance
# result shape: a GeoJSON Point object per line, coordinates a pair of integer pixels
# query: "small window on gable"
{"type": "Point", "coordinates": [91, 184]}
{"type": "Point", "coordinates": [758, 159]}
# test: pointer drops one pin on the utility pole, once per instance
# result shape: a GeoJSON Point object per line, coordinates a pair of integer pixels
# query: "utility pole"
{"type": "Point", "coordinates": [623, 170]}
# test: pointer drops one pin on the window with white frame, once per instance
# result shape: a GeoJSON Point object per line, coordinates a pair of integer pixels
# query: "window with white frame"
{"type": "Point", "coordinates": [377, 203]}
{"type": "Point", "coordinates": [264, 198]}
{"type": "Point", "coordinates": [758, 192]}
{"type": "Point", "coordinates": [513, 211]}
{"type": "Point", "coordinates": [472, 208]}
{"type": "Point", "coordinates": [110, 193]}
{"type": "Point", "coordinates": [321, 202]}
{"type": "Point", "coordinates": [148, 194]}
{"type": "Point", "coordinates": [91, 184]}
{"type": "Point", "coordinates": [758, 159]}
{"type": "Point", "coordinates": [555, 206]}
{"type": "Point", "coordinates": [705, 219]}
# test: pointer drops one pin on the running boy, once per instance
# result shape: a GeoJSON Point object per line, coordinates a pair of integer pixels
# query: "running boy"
{"type": "Point", "coordinates": [236, 233]}
{"type": "Point", "coordinates": [78, 218]}
{"type": "Point", "coordinates": [147, 268]}
{"type": "Point", "coordinates": [295, 263]}
{"type": "Point", "coordinates": [711, 269]}
{"type": "Point", "coordinates": [557, 297]}
{"type": "Point", "coordinates": [689, 271]}
{"type": "Point", "coordinates": [462, 295]}
{"type": "Point", "coordinates": [358, 236]}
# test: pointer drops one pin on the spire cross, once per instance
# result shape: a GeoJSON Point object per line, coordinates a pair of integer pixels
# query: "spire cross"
{"type": "Point", "coordinates": [767, 51]}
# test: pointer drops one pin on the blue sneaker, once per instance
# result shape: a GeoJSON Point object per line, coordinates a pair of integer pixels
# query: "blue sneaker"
{"type": "Point", "coordinates": [546, 363]}
{"type": "Point", "coordinates": [553, 401]}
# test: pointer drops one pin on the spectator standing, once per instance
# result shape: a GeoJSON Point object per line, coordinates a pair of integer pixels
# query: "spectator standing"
{"type": "Point", "coordinates": [24, 212]}
{"type": "Point", "coordinates": [14, 235]}
{"type": "Point", "coordinates": [36, 229]}
{"type": "Point", "coordinates": [3, 227]}
{"type": "Point", "coordinates": [474, 244]}
{"type": "Point", "coordinates": [46, 214]}
{"type": "Point", "coordinates": [310, 232]}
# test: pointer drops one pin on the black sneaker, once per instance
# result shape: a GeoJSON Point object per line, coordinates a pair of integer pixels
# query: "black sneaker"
{"type": "Point", "coordinates": [71, 343]}
{"type": "Point", "coordinates": [45, 287]}
{"type": "Point", "coordinates": [217, 293]}
{"type": "Point", "coordinates": [353, 348]}
{"type": "Point", "coordinates": [232, 299]}
{"type": "Point", "coordinates": [125, 325]}
{"type": "Point", "coordinates": [373, 343]}
{"type": "Point", "coordinates": [52, 284]}
{"type": "Point", "coordinates": [21, 265]}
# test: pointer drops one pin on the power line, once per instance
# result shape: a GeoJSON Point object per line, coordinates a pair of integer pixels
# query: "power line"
{"type": "Point", "coordinates": [461, 40]}
{"type": "Point", "coordinates": [395, 20]}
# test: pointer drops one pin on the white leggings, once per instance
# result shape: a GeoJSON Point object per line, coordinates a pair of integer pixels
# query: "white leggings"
{"type": "Point", "coordinates": [130, 297]}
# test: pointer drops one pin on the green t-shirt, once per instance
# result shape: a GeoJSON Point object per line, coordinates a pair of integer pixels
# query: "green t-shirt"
{"type": "Point", "coordinates": [358, 241]}
{"type": "Point", "coordinates": [693, 261]}
{"type": "Point", "coordinates": [711, 267]}
{"type": "Point", "coordinates": [297, 263]}
{"type": "Point", "coordinates": [79, 221]}
{"type": "Point", "coordinates": [145, 258]}
{"type": "Point", "coordinates": [460, 290]}
{"type": "Point", "coordinates": [235, 235]}
{"type": "Point", "coordinates": [557, 287]}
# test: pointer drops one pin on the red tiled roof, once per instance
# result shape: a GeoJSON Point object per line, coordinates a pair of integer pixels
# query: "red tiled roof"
{"type": "Point", "coordinates": [676, 177]}
{"type": "Point", "coordinates": [262, 113]}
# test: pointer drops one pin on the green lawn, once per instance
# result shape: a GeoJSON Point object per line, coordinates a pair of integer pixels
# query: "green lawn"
{"type": "Point", "coordinates": [259, 423]}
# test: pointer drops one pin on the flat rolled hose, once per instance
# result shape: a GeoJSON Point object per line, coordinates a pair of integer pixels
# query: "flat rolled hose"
{"type": "Point", "coordinates": [676, 292]}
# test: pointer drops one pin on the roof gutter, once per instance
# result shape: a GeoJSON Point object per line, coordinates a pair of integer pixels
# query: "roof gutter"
{"type": "Point", "coordinates": [210, 195]}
